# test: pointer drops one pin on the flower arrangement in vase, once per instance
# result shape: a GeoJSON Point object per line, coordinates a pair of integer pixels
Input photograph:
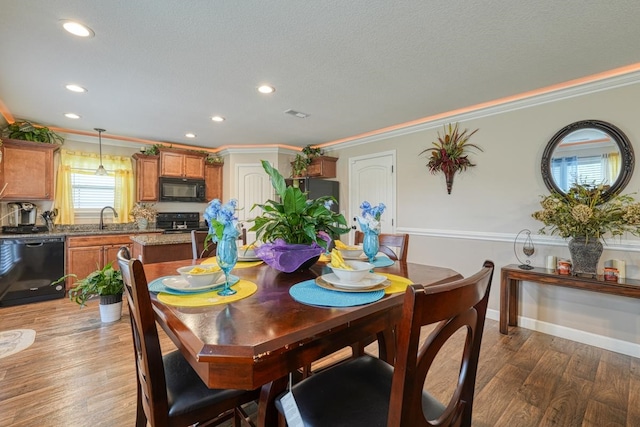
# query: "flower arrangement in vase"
{"type": "Point", "coordinates": [294, 224]}
{"type": "Point", "coordinates": [142, 213]}
{"type": "Point", "coordinates": [369, 222]}
{"type": "Point", "coordinates": [450, 154]}
{"type": "Point", "coordinates": [585, 217]}
{"type": "Point", "coordinates": [224, 230]}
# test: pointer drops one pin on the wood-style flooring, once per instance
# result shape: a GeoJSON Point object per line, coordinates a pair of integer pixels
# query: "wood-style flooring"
{"type": "Point", "coordinates": [80, 372]}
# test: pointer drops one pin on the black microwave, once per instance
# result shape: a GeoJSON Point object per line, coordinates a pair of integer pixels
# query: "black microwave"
{"type": "Point", "coordinates": [182, 190]}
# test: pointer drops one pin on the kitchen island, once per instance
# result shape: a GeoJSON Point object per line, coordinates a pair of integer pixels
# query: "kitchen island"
{"type": "Point", "coordinates": [151, 248]}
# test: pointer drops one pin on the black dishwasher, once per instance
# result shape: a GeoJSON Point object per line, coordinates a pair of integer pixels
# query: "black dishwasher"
{"type": "Point", "coordinates": [28, 266]}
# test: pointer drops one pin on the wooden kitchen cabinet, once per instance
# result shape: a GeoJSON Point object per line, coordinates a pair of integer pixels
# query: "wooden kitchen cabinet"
{"type": "Point", "coordinates": [181, 163]}
{"type": "Point", "coordinates": [27, 169]}
{"type": "Point", "coordinates": [213, 181]}
{"type": "Point", "coordinates": [85, 254]}
{"type": "Point", "coordinates": [322, 167]}
{"type": "Point", "coordinates": [147, 168]}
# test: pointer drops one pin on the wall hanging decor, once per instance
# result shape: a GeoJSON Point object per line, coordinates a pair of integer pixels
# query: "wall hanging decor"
{"type": "Point", "coordinates": [450, 153]}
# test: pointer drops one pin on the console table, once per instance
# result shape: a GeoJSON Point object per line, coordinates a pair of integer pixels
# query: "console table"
{"type": "Point", "coordinates": [511, 276]}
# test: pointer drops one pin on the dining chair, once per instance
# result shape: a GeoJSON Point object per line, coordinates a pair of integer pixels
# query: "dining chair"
{"type": "Point", "coordinates": [197, 243]}
{"type": "Point", "coordinates": [387, 242]}
{"type": "Point", "coordinates": [170, 393]}
{"type": "Point", "coordinates": [367, 391]}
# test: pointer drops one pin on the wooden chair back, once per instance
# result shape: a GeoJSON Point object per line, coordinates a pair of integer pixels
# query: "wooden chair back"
{"type": "Point", "coordinates": [453, 306]}
{"type": "Point", "coordinates": [198, 247]}
{"type": "Point", "coordinates": [389, 241]}
{"type": "Point", "coordinates": [152, 388]}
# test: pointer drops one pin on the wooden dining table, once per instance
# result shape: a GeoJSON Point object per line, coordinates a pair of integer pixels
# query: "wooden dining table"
{"type": "Point", "coordinates": [257, 341]}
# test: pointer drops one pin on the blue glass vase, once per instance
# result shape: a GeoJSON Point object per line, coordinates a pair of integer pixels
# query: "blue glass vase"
{"type": "Point", "coordinates": [227, 257]}
{"type": "Point", "coordinates": [370, 244]}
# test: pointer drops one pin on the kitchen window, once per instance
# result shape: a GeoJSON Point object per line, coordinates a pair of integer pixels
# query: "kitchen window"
{"type": "Point", "coordinates": [81, 195]}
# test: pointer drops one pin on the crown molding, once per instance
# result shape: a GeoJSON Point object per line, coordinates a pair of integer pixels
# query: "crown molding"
{"type": "Point", "coordinates": [505, 107]}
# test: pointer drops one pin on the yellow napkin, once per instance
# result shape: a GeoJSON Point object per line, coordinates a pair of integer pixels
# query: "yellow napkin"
{"type": "Point", "coordinates": [325, 258]}
{"type": "Point", "coordinates": [239, 264]}
{"type": "Point", "coordinates": [244, 289]}
{"type": "Point", "coordinates": [398, 283]}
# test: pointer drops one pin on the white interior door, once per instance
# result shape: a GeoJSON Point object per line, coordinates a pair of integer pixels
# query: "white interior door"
{"type": "Point", "coordinates": [372, 178]}
{"type": "Point", "coordinates": [253, 186]}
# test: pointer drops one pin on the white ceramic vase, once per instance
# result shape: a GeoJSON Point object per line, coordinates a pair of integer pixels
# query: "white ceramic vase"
{"type": "Point", "coordinates": [143, 223]}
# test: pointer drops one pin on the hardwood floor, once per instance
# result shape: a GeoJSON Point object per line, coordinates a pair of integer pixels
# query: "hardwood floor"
{"type": "Point", "coordinates": [80, 372]}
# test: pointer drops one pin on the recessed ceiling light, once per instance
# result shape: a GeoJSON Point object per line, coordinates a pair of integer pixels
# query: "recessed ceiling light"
{"type": "Point", "coordinates": [77, 29]}
{"type": "Point", "coordinates": [72, 116]}
{"type": "Point", "coordinates": [76, 88]}
{"type": "Point", "coordinates": [190, 135]}
{"type": "Point", "coordinates": [218, 119]}
{"type": "Point", "coordinates": [266, 89]}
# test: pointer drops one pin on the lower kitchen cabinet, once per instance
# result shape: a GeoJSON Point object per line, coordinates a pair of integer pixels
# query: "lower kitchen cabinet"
{"type": "Point", "coordinates": [85, 254]}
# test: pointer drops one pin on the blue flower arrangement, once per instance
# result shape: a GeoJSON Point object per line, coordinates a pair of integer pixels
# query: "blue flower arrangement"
{"type": "Point", "coordinates": [370, 218]}
{"type": "Point", "coordinates": [222, 219]}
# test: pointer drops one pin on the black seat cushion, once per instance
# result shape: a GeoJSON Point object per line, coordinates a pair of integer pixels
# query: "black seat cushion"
{"type": "Point", "coordinates": [354, 393]}
{"type": "Point", "coordinates": [186, 391]}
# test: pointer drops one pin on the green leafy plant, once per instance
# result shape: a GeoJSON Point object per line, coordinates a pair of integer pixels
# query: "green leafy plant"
{"type": "Point", "coordinates": [299, 165]}
{"type": "Point", "coordinates": [154, 150]}
{"type": "Point", "coordinates": [312, 152]}
{"type": "Point", "coordinates": [582, 212]}
{"type": "Point", "coordinates": [296, 219]}
{"type": "Point", "coordinates": [102, 282]}
{"type": "Point", "coordinates": [27, 131]}
{"type": "Point", "coordinates": [450, 153]}
{"type": "Point", "coordinates": [214, 159]}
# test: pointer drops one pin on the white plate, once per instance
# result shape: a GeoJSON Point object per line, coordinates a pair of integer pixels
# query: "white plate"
{"type": "Point", "coordinates": [178, 283]}
{"type": "Point", "coordinates": [248, 258]}
{"type": "Point", "coordinates": [369, 281]}
{"type": "Point", "coordinates": [324, 284]}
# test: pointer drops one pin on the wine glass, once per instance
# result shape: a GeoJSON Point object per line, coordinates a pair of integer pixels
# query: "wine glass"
{"type": "Point", "coordinates": [227, 257]}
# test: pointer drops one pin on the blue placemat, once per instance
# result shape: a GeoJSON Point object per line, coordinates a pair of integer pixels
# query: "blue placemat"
{"type": "Point", "coordinates": [308, 292]}
{"type": "Point", "coordinates": [157, 286]}
{"type": "Point", "coordinates": [382, 261]}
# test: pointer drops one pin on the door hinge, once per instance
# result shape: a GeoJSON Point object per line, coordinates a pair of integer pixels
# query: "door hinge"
{"type": "Point", "coordinates": [391, 168]}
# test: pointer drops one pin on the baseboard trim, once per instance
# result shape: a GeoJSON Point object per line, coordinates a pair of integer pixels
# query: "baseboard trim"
{"type": "Point", "coordinates": [600, 341]}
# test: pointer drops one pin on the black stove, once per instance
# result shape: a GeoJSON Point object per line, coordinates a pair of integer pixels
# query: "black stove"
{"type": "Point", "coordinates": [24, 229]}
{"type": "Point", "coordinates": [178, 222]}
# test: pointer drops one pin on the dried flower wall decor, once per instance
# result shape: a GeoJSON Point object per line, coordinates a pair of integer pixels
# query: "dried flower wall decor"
{"type": "Point", "coordinates": [450, 153]}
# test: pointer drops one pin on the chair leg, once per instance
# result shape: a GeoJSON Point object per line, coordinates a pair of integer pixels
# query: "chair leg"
{"type": "Point", "coordinates": [141, 418]}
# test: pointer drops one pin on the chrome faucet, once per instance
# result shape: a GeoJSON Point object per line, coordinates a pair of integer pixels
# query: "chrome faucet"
{"type": "Point", "coordinates": [115, 215]}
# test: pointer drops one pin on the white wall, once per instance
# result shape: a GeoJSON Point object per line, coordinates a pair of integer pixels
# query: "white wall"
{"type": "Point", "coordinates": [491, 202]}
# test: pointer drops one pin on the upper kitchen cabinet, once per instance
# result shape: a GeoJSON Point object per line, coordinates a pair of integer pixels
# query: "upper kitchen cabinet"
{"type": "Point", "coordinates": [213, 181]}
{"type": "Point", "coordinates": [27, 169]}
{"type": "Point", "coordinates": [322, 167]}
{"type": "Point", "coordinates": [146, 177]}
{"type": "Point", "coordinates": [180, 163]}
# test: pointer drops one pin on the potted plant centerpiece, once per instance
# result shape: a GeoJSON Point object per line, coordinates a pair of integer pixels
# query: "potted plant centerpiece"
{"type": "Point", "coordinates": [106, 283]}
{"type": "Point", "coordinates": [583, 216]}
{"type": "Point", "coordinates": [294, 230]}
{"type": "Point", "coordinates": [142, 213]}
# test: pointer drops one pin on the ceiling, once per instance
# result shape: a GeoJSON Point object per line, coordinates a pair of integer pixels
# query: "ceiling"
{"type": "Point", "coordinates": [157, 69]}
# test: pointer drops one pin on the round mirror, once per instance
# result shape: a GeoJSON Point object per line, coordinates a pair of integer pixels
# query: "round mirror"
{"type": "Point", "coordinates": [588, 152]}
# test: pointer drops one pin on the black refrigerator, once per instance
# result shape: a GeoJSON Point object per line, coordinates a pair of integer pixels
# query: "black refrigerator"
{"type": "Point", "coordinates": [316, 187]}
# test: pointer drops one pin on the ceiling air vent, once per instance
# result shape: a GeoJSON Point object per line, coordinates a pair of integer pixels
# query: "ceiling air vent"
{"type": "Point", "coordinates": [297, 114]}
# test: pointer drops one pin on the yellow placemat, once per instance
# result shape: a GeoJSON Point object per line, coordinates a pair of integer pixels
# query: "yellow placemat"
{"type": "Point", "coordinates": [239, 264]}
{"type": "Point", "coordinates": [398, 283]}
{"type": "Point", "coordinates": [244, 289]}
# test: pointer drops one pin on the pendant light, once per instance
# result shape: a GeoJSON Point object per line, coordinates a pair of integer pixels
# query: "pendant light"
{"type": "Point", "coordinates": [101, 170]}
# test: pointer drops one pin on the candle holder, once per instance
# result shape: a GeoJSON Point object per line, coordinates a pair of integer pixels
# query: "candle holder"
{"type": "Point", "coordinates": [527, 248]}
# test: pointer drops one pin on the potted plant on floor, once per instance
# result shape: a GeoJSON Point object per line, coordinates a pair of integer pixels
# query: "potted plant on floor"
{"type": "Point", "coordinates": [106, 283]}
{"type": "Point", "coordinates": [295, 230]}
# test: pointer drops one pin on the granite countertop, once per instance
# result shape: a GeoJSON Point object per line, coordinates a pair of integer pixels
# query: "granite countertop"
{"type": "Point", "coordinates": [161, 239]}
{"type": "Point", "coordinates": [88, 230]}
